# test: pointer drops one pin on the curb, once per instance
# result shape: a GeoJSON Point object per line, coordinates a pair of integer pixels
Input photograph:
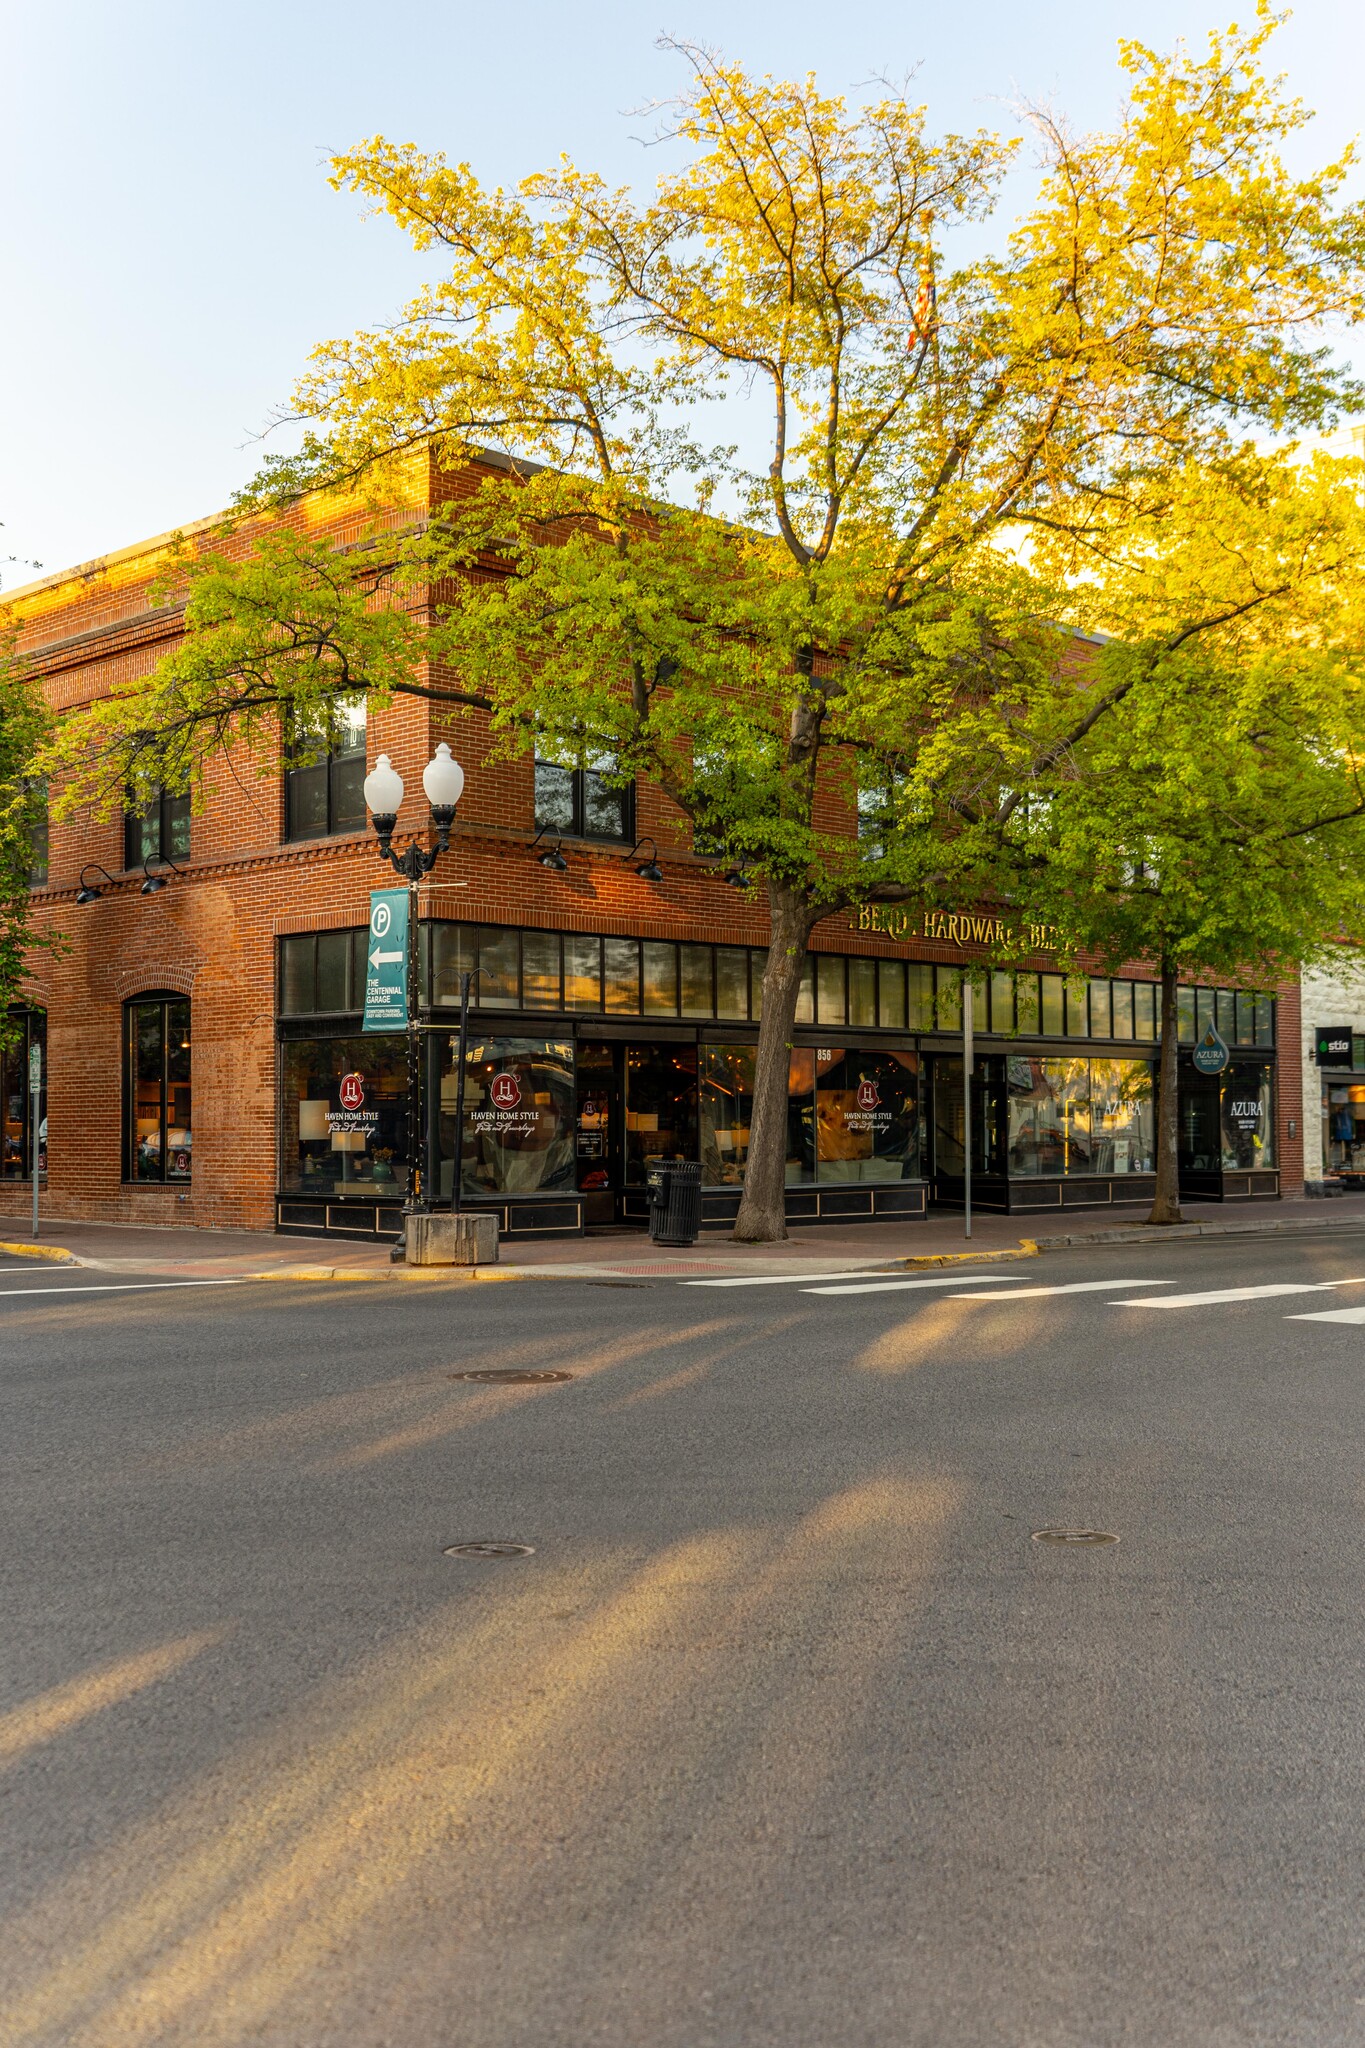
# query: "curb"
{"type": "Point", "coordinates": [379, 1273]}
{"type": "Point", "coordinates": [1028, 1248]}
{"type": "Point", "coordinates": [1180, 1233]}
{"type": "Point", "coordinates": [56, 1252]}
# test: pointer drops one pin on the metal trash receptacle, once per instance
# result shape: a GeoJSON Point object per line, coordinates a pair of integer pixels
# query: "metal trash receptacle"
{"type": "Point", "coordinates": [675, 1202]}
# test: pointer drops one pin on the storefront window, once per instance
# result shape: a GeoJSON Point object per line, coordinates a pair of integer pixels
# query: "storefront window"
{"type": "Point", "coordinates": [1343, 1127]}
{"type": "Point", "coordinates": [862, 992]}
{"type": "Point", "coordinates": [732, 982]}
{"type": "Point", "coordinates": [800, 1115]}
{"type": "Point", "coordinates": [891, 995]}
{"type": "Point", "coordinates": [867, 1115]}
{"type": "Point", "coordinates": [16, 1160]}
{"type": "Point", "coordinates": [158, 1136]}
{"type": "Point", "coordinates": [344, 1116]}
{"type": "Point", "coordinates": [727, 1105]}
{"type": "Point", "coordinates": [518, 1117]}
{"type": "Point", "coordinates": [1122, 1120]}
{"type": "Point", "coordinates": [661, 1106]}
{"type": "Point", "coordinates": [1248, 1115]}
{"type": "Point", "coordinates": [1049, 1115]}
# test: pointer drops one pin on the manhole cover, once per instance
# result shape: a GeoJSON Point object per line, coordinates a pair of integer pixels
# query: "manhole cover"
{"type": "Point", "coordinates": [1073, 1536]}
{"type": "Point", "coordinates": [489, 1550]}
{"type": "Point", "coordinates": [512, 1379]}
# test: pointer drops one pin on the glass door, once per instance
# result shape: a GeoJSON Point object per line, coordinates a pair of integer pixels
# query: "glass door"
{"type": "Point", "coordinates": [949, 1121]}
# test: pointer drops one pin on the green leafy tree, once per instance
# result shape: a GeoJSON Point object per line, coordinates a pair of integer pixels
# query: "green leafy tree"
{"type": "Point", "coordinates": [24, 728]}
{"type": "Point", "coordinates": [952, 452]}
{"type": "Point", "coordinates": [1217, 823]}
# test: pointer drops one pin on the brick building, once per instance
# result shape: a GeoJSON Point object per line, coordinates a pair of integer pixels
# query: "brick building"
{"type": "Point", "coordinates": [197, 1034]}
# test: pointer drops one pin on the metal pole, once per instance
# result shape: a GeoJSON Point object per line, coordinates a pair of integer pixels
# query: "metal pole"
{"type": "Point", "coordinates": [465, 982]}
{"type": "Point", "coordinates": [414, 1202]}
{"type": "Point", "coordinates": [967, 1100]}
{"type": "Point", "coordinates": [35, 1082]}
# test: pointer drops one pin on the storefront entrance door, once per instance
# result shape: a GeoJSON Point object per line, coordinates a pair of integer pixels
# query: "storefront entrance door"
{"type": "Point", "coordinates": [947, 1127]}
{"type": "Point", "coordinates": [597, 1130]}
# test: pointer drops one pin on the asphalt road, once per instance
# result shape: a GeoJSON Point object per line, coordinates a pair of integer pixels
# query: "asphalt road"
{"type": "Point", "coordinates": [786, 1732]}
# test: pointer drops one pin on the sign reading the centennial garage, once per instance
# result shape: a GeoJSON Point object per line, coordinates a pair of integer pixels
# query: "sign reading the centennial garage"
{"type": "Point", "coordinates": [386, 961]}
{"type": "Point", "coordinates": [1211, 1054]}
{"type": "Point", "coordinates": [1332, 1045]}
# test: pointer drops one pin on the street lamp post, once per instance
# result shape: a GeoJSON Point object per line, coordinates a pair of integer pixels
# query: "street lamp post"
{"type": "Point", "coordinates": [443, 781]}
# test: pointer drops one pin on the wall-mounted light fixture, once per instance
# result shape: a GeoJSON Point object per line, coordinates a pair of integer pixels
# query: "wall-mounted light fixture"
{"type": "Point", "coordinates": [88, 893]}
{"type": "Point", "coordinates": [738, 876]}
{"type": "Point", "coordinates": [552, 857]}
{"type": "Point", "coordinates": [151, 882]}
{"type": "Point", "coordinates": [648, 870]}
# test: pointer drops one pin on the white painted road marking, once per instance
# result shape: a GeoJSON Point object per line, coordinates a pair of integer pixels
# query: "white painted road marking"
{"type": "Point", "coordinates": [1071, 1287]}
{"type": "Point", "coordinates": [899, 1286]}
{"type": "Point", "coordinates": [1330, 1315]}
{"type": "Point", "coordinates": [122, 1286]}
{"type": "Point", "coordinates": [777, 1279]}
{"type": "Point", "coordinates": [1218, 1294]}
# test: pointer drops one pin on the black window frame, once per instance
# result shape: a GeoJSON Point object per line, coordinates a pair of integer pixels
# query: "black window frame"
{"type": "Point", "coordinates": [29, 1024]}
{"type": "Point", "coordinates": [169, 813]}
{"type": "Point", "coordinates": [166, 1000]}
{"type": "Point", "coordinates": [39, 830]}
{"type": "Point", "coordinates": [312, 766]}
{"type": "Point", "coordinates": [576, 782]}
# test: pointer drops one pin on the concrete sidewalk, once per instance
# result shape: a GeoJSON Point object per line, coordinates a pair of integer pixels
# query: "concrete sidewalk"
{"type": "Point", "coordinates": [207, 1254]}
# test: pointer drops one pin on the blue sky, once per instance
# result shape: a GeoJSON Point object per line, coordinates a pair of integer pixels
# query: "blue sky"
{"type": "Point", "coordinates": [171, 248]}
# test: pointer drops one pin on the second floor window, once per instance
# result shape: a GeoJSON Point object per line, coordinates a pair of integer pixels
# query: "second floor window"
{"type": "Point", "coordinates": [35, 796]}
{"type": "Point", "coordinates": [161, 826]}
{"type": "Point", "coordinates": [324, 778]}
{"type": "Point", "coordinates": [586, 802]}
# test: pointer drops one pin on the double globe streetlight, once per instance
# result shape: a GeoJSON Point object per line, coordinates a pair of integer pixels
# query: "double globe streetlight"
{"type": "Point", "coordinates": [443, 781]}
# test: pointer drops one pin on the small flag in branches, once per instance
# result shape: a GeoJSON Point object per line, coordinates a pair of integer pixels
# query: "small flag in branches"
{"type": "Point", "coordinates": [924, 312]}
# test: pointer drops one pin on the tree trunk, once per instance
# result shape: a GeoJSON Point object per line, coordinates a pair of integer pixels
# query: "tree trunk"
{"type": "Point", "coordinates": [1166, 1205]}
{"type": "Point", "coordinates": [762, 1210]}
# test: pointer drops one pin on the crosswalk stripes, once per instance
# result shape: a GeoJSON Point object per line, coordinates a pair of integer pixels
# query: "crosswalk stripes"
{"type": "Point", "coordinates": [782, 1279]}
{"type": "Point", "coordinates": [902, 1286]}
{"type": "Point", "coordinates": [1218, 1294]}
{"type": "Point", "coordinates": [1068, 1287]}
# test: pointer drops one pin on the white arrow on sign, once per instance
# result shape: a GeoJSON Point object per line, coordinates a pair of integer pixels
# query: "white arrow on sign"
{"type": "Point", "coordinates": [378, 959]}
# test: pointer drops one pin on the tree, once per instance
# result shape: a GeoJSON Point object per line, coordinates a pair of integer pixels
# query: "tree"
{"type": "Point", "coordinates": [1218, 822]}
{"type": "Point", "coordinates": [946, 446]}
{"type": "Point", "coordinates": [24, 726]}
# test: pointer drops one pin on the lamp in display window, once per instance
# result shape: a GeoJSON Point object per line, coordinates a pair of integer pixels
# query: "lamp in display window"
{"type": "Point", "coordinates": [313, 1127]}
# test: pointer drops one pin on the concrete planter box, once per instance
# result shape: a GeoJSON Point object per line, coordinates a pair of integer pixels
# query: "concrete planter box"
{"type": "Point", "coordinates": [470, 1239]}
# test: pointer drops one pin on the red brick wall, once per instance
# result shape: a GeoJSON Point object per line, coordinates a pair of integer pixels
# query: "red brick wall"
{"type": "Point", "coordinates": [212, 932]}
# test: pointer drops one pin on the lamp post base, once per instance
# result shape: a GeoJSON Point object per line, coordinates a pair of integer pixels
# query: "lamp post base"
{"type": "Point", "coordinates": [440, 1239]}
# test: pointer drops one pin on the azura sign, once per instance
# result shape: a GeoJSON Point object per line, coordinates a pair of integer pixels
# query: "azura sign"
{"type": "Point", "coordinates": [954, 928]}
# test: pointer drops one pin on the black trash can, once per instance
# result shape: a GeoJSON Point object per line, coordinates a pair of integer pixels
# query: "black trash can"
{"type": "Point", "coordinates": [675, 1202]}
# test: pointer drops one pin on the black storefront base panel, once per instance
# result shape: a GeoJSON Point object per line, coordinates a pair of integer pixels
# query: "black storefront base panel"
{"type": "Point", "coordinates": [519, 1219]}
{"type": "Point", "coordinates": [876, 1201]}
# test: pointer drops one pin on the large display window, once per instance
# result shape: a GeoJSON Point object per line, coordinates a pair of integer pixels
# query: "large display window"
{"type": "Point", "coordinates": [851, 1116]}
{"type": "Point", "coordinates": [867, 1115]}
{"type": "Point", "coordinates": [518, 1117]}
{"type": "Point", "coordinates": [661, 1107]}
{"type": "Point", "coordinates": [344, 1116]}
{"type": "Point", "coordinates": [158, 1125]}
{"type": "Point", "coordinates": [16, 1155]}
{"type": "Point", "coordinates": [1248, 1122]}
{"type": "Point", "coordinates": [1048, 1106]}
{"type": "Point", "coordinates": [1122, 1117]}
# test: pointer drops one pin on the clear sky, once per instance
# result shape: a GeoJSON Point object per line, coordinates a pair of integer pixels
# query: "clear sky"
{"type": "Point", "coordinates": [171, 247]}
